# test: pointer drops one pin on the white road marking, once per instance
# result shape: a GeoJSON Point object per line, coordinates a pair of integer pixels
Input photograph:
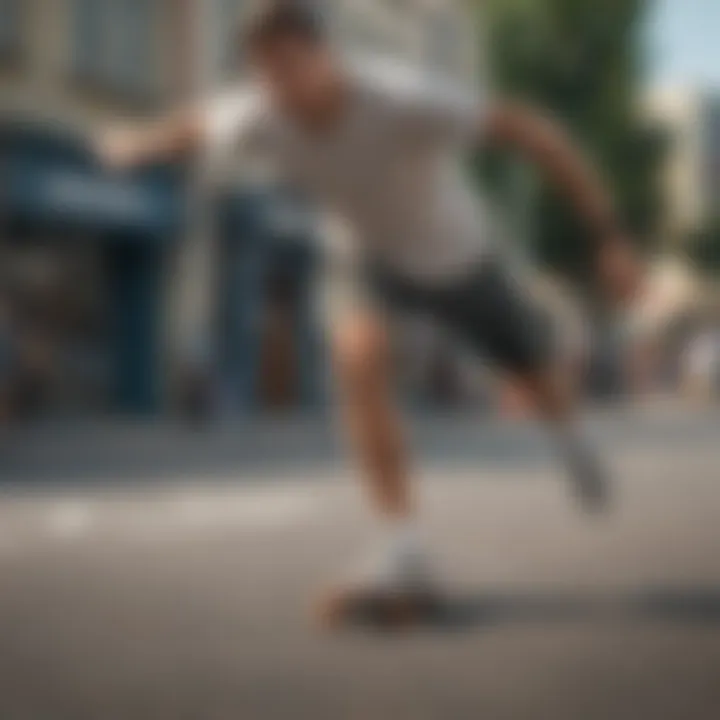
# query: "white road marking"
{"type": "Point", "coordinates": [256, 511]}
{"type": "Point", "coordinates": [74, 521]}
{"type": "Point", "coordinates": [70, 521]}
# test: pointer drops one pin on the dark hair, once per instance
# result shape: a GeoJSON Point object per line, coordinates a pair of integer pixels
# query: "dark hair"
{"type": "Point", "coordinates": [280, 19]}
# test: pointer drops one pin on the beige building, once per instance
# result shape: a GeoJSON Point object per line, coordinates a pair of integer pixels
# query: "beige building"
{"type": "Point", "coordinates": [692, 177]}
{"type": "Point", "coordinates": [84, 62]}
{"type": "Point", "coordinates": [438, 34]}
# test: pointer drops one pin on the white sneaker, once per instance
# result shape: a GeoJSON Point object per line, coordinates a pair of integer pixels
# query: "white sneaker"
{"type": "Point", "coordinates": [405, 570]}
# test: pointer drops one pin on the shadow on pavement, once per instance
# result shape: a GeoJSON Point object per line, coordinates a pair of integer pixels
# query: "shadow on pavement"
{"type": "Point", "coordinates": [691, 605]}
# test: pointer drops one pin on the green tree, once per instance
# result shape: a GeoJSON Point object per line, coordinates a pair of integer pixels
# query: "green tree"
{"type": "Point", "coordinates": [703, 249]}
{"type": "Point", "coordinates": [583, 61]}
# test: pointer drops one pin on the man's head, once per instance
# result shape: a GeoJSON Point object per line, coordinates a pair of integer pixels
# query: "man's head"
{"type": "Point", "coordinates": [288, 47]}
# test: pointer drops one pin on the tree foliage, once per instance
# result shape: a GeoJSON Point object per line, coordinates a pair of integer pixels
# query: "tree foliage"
{"type": "Point", "coordinates": [703, 248]}
{"type": "Point", "coordinates": [583, 61]}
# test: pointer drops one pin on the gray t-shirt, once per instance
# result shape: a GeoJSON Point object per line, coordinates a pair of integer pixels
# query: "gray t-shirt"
{"type": "Point", "coordinates": [389, 178]}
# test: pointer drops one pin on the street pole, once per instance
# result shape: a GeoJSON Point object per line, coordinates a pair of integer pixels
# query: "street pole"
{"type": "Point", "coordinates": [196, 286]}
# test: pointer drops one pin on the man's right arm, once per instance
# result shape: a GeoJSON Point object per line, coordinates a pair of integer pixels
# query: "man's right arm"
{"type": "Point", "coordinates": [178, 134]}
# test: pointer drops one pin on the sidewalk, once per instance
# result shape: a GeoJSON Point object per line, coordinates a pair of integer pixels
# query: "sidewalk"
{"type": "Point", "coordinates": [114, 450]}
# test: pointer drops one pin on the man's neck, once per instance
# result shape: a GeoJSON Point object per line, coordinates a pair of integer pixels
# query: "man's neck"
{"type": "Point", "coordinates": [328, 115]}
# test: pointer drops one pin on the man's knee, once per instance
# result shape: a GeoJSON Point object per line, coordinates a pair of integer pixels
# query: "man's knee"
{"type": "Point", "coordinates": [551, 391]}
{"type": "Point", "coordinates": [361, 353]}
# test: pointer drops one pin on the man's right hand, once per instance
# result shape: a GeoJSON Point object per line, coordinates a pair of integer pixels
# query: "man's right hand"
{"type": "Point", "coordinates": [170, 137]}
{"type": "Point", "coordinates": [119, 148]}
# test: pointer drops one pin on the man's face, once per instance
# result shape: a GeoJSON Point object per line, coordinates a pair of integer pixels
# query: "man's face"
{"type": "Point", "coordinates": [299, 75]}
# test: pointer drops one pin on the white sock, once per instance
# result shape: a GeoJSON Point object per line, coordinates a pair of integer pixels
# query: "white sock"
{"type": "Point", "coordinates": [398, 559]}
{"type": "Point", "coordinates": [402, 538]}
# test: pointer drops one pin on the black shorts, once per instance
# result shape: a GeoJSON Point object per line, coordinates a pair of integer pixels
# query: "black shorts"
{"type": "Point", "coordinates": [486, 308]}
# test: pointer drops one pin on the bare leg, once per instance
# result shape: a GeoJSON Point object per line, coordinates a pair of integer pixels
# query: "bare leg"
{"type": "Point", "coordinates": [362, 365]}
{"type": "Point", "coordinates": [556, 401]}
{"type": "Point", "coordinates": [552, 395]}
{"type": "Point", "coordinates": [395, 578]}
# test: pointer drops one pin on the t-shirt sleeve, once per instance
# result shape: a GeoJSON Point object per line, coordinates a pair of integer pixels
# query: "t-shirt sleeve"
{"type": "Point", "coordinates": [429, 106]}
{"type": "Point", "coordinates": [233, 120]}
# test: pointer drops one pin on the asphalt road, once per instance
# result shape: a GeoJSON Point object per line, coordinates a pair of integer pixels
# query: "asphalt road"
{"type": "Point", "coordinates": [188, 600]}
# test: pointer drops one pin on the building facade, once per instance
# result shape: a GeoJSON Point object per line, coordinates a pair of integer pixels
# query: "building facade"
{"type": "Point", "coordinates": [85, 253]}
{"type": "Point", "coordinates": [692, 173]}
{"type": "Point", "coordinates": [437, 34]}
{"type": "Point", "coordinates": [118, 283]}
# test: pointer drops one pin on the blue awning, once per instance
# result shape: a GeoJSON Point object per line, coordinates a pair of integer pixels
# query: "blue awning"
{"type": "Point", "coordinates": [43, 192]}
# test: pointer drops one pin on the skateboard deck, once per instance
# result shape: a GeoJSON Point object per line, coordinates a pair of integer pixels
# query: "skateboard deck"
{"type": "Point", "coordinates": [342, 608]}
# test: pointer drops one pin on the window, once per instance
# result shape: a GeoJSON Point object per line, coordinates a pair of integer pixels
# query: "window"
{"type": "Point", "coordinates": [376, 27]}
{"type": "Point", "coordinates": [10, 28]}
{"type": "Point", "coordinates": [114, 44]}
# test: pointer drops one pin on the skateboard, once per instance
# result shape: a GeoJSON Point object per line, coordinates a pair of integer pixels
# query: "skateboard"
{"type": "Point", "coordinates": [342, 608]}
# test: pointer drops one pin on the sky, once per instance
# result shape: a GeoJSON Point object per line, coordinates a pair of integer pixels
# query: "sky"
{"type": "Point", "coordinates": [685, 43]}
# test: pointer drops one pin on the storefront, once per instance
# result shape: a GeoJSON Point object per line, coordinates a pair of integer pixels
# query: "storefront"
{"type": "Point", "coordinates": [83, 254]}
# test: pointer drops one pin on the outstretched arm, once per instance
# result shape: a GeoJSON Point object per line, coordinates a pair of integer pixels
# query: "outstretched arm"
{"type": "Point", "coordinates": [170, 137]}
{"type": "Point", "coordinates": [228, 121]}
{"type": "Point", "coordinates": [545, 144]}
